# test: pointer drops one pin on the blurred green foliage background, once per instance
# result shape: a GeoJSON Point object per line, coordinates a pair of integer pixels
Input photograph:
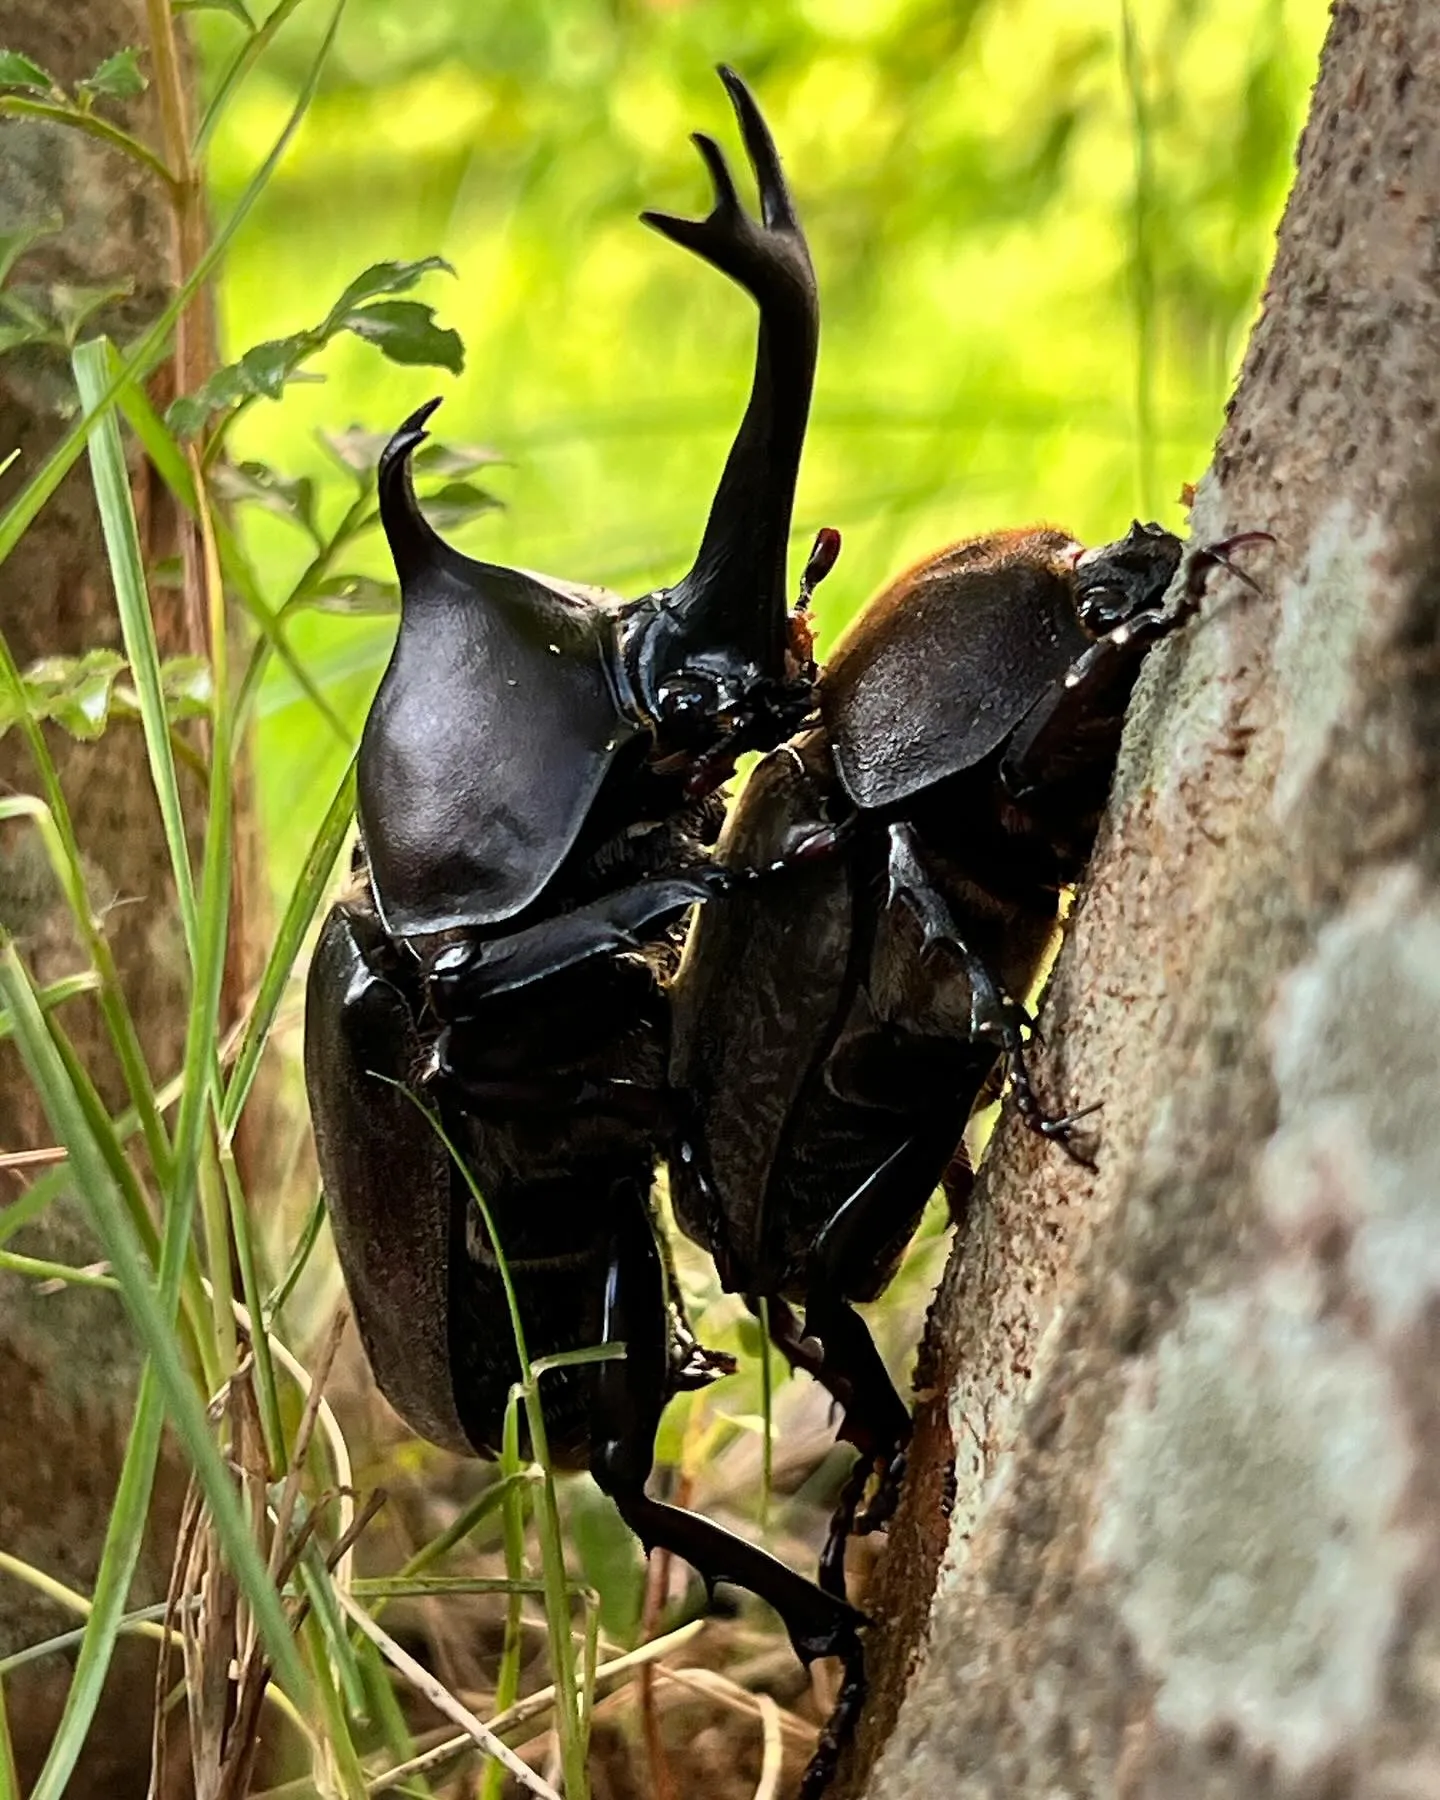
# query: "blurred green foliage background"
{"type": "Point", "coordinates": [1040, 229]}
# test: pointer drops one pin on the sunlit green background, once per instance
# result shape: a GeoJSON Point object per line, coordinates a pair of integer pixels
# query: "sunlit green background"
{"type": "Point", "coordinates": [1038, 252]}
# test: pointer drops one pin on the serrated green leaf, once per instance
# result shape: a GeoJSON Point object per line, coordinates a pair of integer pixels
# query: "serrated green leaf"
{"type": "Point", "coordinates": [456, 502]}
{"type": "Point", "coordinates": [17, 71]}
{"type": "Point", "coordinates": [263, 370]}
{"type": "Point", "coordinates": [73, 691]}
{"type": "Point", "coordinates": [406, 332]}
{"type": "Point", "coordinates": [186, 682]}
{"type": "Point", "coordinates": [83, 695]}
{"type": "Point", "coordinates": [119, 77]}
{"type": "Point", "coordinates": [356, 594]}
{"type": "Point", "coordinates": [256, 482]}
{"type": "Point", "coordinates": [403, 330]}
{"type": "Point", "coordinates": [379, 279]}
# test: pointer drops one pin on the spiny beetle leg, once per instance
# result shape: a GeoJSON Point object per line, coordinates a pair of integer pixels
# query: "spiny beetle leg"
{"type": "Point", "coordinates": [994, 1017]}
{"type": "Point", "coordinates": [1217, 556]}
{"type": "Point", "coordinates": [839, 1729]}
{"type": "Point", "coordinates": [804, 1351]}
{"type": "Point", "coordinates": [474, 970]}
{"type": "Point", "coordinates": [842, 1524]}
{"type": "Point", "coordinates": [1108, 667]}
{"type": "Point", "coordinates": [630, 1395]}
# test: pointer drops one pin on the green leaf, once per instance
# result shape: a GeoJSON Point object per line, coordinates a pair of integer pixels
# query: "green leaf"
{"type": "Point", "coordinates": [435, 458]}
{"type": "Point", "coordinates": [85, 694]}
{"type": "Point", "coordinates": [357, 449]}
{"type": "Point", "coordinates": [73, 307]}
{"type": "Point", "coordinates": [14, 244]}
{"type": "Point", "coordinates": [186, 688]}
{"type": "Point", "coordinates": [403, 330]}
{"type": "Point", "coordinates": [456, 502]}
{"type": "Point", "coordinates": [17, 71]}
{"type": "Point", "coordinates": [610, 1560]}
{"type": "Point", "coordinates": [147, 353]}
{"type": "Point", "coordinates": [23, 328]}
{"type": "Point", "coordinates": [355, 594]}
{"type": "Point", "coordinates": [73, 691]}
{"type": "Point", "coordinates": [262, 371]}
{"type": "Point", "coordinates": [379, 279]}
{"type": "Point", "coordinates": [287, 497]}
{"type": "Point", "coordinates": [406, 332]}
{"type": "Point", "coordinates": [119, 77]}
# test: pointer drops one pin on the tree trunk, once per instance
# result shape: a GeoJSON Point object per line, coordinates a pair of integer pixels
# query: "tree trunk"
{"type": "Point", "coordinates": [1184, 1414]}
{"type": "Point", "coordinates": [68, 1362]}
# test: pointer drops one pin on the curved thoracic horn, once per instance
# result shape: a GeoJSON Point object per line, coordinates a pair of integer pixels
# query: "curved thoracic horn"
{"type": "Point", "coordinates": [733, 601]}
{"type": "Point", "coordinates": [413, 540]}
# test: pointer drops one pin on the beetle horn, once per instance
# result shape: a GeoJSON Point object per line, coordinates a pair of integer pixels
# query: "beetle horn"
{"type": "Point", "coordinates": [412, 538]}
{"type": "Point", "coordinates": [733, 599]}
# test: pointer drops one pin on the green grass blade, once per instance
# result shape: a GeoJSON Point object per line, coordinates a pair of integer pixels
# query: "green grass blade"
{"type": "Point", "coordinates": [91, 363]}
{"type": "Point", "coordinates": [304, 901]}
{"type": "Point", "coordinates": [150, 1314]}
{"type": "Point", "coordinates": [9, 1776]}
{"type": "Point", "coordinates": [55, 993]}
{"type": "Point", "coordinates": [155, 437]}
{"type": "Point", "coordinates": [267, 1389]}
{"type": "Point", "coordinates": [309, 1237]}
{"type": "Point", "coordinates": [512, 1479]}
{"type": "Point", "coordinates": [161, 447]}
{"type": "Point", "coordinates": [37, 1268]}
{"type": "Point", "coordinates": [124, 1536]}
{"type": "Point", "coordinates": [507, 1681]}
{"type": "Point", "coordinates": [51, 818]}
{"type": "Point", "coordinates": [767, 1415]}
{"type": "Point", "coordinates": [241, 64]}
{"type": "Point", "coordinates": [149, 351]}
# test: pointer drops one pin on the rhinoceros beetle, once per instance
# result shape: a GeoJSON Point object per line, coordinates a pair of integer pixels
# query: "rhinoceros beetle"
{"type": "Point", "coordinates": [834, 1029]}
{"type": "Point", "coordinates": [536, 790]}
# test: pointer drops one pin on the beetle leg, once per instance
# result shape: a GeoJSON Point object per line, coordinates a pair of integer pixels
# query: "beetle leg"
{"type": "Point", "coordinates": [630, 1394]}
{"type": "Point", "coordinates": [995, 1017]}
{"type": "Point", "coordinates": [876, 1420]}
{"type": "Point", "coordinates": [474, 969]}
{"type": "Point", "coordinates": [1098, 683]}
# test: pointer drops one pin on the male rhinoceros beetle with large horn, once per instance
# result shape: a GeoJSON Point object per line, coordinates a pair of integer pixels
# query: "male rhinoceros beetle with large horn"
{"type": "Point", "coordinates": [537, 798]}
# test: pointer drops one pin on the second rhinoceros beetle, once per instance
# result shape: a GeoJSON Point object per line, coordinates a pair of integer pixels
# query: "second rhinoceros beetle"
{"type": "Point", "coordinates": [537, 785]}
{"type": "Point", "coordinates": [834, 1029]}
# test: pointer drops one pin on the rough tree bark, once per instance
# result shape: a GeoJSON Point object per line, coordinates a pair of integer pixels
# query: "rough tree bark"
{"type": "Point", "coordinates": [1187, 1410]}
{"type": "Point", "coordinates": [67, 1360]}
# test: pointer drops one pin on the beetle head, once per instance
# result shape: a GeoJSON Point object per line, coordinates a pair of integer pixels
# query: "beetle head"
{"type": "Point", "coordinates": [1115, 581]}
